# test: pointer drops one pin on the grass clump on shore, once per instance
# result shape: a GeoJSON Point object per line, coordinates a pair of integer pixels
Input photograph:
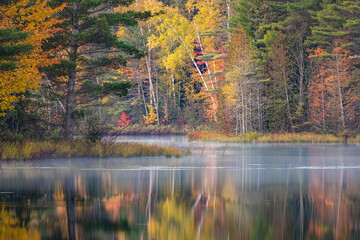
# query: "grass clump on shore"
{"type": "Point", "coordinates": [79, 148]}
{"type": "Point", "coordinates": [255, 137]}
{"type": "Point", "coordinates": [137, 129]}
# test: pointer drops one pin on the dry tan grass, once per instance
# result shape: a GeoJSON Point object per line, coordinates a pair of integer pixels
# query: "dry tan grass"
{"type": "Point", "coordinates": [304, 137]}
{"type": "Point", "coordinates": [76, 149]}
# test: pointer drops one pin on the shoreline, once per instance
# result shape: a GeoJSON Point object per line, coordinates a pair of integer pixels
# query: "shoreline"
{"type": "Point", "coordinates": [273, 138]}
{"type": "Point", "coordinates": [137, 129]}
{"type": "Point", "coordinates": [37, 150]}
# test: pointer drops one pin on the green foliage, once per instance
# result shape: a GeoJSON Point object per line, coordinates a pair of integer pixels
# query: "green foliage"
{"type": "Point", "coordinates": [336, 21]}
{"type": "Point", "coordinates": [94, 129]}
{"type": "Point", "coordinates": [27, 120]}
{"type": "Point", "coordinates": [264, 78]}
{"type": "Point", "coordinates": [100, 90]}
{"type": "Point", "coordinates": [90, 49]}
{"type": "Point", "coordinates": [9, 48]}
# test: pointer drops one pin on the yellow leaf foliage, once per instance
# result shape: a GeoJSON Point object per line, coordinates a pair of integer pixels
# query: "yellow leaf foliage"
{"type": "Point", "coordinates": [152, 117]}
{"type": "Point", "coordinates": [172, 29]}
{"type": "Point", "coordinates": [229, 91]}
{"type": "Point", "coordinates": [37, 19]}
{"type": "Point", "coordinates": [104, 100]}
{"type": "Point", "coordinates": [208, 17]}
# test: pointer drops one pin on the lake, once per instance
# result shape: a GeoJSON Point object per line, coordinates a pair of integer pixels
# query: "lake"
{"type": "Point", "coordinates": [221, 191]}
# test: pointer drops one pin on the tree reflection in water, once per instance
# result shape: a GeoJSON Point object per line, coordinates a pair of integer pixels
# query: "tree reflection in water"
{"type": "Point", "coordinates": [248, 200]}
{"type": "Point", "coordinates": [11, 228]}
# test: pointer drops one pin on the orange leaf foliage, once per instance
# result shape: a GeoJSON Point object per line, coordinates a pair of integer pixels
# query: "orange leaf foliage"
{"type": "Point", "coordinates": [37, 19]}
{"type": "Point", "coordinates": [333, 74]}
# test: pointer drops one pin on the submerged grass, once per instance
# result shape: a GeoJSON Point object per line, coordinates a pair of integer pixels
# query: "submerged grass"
{"type": "Point", "coordinates": [77, 149]}
{"type": "Point", "coordinates": [255, 137]}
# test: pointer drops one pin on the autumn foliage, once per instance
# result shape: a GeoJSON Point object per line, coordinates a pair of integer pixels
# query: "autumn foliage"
{"type": "Point", "coordinates": [332, 102]}
{"type": "Point", "coordinates": [151, 118]}
{"type": "Point", "coordinates": [124, 120]}
{"type": "Point", "coordinates": [38, 20]}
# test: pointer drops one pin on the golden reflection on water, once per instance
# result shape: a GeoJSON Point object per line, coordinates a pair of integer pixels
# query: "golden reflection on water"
{"type": "Point", "coordinates": [196, 203]}
{"type": "Point", "coordinates": [11, 228]}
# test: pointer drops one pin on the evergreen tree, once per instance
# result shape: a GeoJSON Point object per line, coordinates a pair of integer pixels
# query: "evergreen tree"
{"type": "Point", "coordinates": [336, 22]}
{"type": "Point", "coordinates": [89, 48]}
{"type": "Point", "coordinates": [337, 32]}
{"type": "Point", "coordinates": [10, 48]}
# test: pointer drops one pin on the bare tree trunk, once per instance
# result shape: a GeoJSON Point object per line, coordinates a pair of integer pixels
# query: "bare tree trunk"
{"type": "Point", "coordinates": [70, 106]}
{"type": "Point", "coordinates": [157, 102]}
{"type": "Point", "coordinates": [212, 98]}
{"type": "Point", "coordinates": [259, 110]}
{"type": "Point", "coordinates": [202, 50]}
{"type": "Point", "coordinates": [341, 98]}
{"type": "Point", "coordinates": [228, 11]}
{"type": "Point", "coordinates": [242, 109]}
{"type": "Point", "coordinates": [323, 102]}
{"type": "Point", "coordinates": [250, 112]}
{"type": "Point", "coordinates": [71, 95]}
{"type": "Point", "coordinates": [152, 90]}
{"type": "Point", "coordinates": [143, 95]}
{"type": "Point", "coordinates": [236, 120]}
{"type": "Point", "coordinates": [151, 85]}
{"type": "Point", "coordinates": [156, 92]}
{"type": "Point", "coordinates": [298, 53]}
{"type": "Point", "coordinates": [288, 103]}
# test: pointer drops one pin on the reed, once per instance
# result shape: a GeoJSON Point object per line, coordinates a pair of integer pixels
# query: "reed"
{"type": "Point", "coordinates": [79, 148]}
{"type": "Point", "coordinates": [304, 137]}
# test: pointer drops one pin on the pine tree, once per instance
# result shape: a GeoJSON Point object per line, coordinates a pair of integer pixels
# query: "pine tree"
{"type": "Point", "coordinates": [279, 90]}
{"type": "Point", "coordinates": [336, 33]}
{"type": "Point", "coordinates": [89, 48]}
{"type": "Point", "coordinates": [10, 48]}
{"type": "Point", "coordinates": [335, 22]}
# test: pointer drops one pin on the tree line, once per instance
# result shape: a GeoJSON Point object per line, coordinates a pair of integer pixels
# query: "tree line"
{"type": "Point", "coordinates": [232, 65]}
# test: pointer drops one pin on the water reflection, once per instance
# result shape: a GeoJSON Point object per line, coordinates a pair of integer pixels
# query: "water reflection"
{"type": "Point", "coordinates": [221, 192]}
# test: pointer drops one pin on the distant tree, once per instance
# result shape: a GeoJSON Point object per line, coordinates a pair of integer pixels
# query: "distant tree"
{"type": "Point", "coordinates": [124, 120]}
{"type": "Point", "coordinates": [280, 86]}
{"type": "Point", "coordinates": [334, 43]}
{"type": "Point", "coordinates": [152, 117]}
{"type": "Point", "coordinates": [175, 35]}
{"type": "Point", "coordinates": [333, 101]}
{"type": "Point", "coordinates": [241, 88]}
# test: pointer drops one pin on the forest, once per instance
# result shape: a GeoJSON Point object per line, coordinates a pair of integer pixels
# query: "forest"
{"type": "Point", "coordinates": [246, 115]}
{"type": "Point", "coordinates": [86, 67]}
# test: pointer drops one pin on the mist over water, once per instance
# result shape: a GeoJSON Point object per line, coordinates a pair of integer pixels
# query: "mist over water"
{"type": "Point", "coordinates": [221, 191]}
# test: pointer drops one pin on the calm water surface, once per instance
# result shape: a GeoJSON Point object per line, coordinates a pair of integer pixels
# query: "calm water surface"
{"type": "Point", "coordinates": [222, 191]}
